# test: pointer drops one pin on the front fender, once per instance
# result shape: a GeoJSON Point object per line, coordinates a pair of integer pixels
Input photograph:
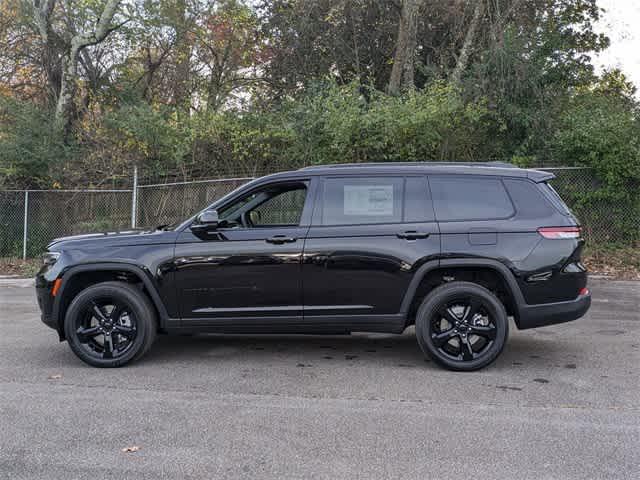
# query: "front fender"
{"type": "Point", "coordinates": [140, 272]}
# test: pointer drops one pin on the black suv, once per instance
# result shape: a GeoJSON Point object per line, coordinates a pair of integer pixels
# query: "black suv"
{"type": "Point", "coordinates": [453, 248]}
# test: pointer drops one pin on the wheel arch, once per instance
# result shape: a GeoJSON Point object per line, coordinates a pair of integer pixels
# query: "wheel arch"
{"type": "Point", "coordinates": [426, 278]}
{"type": "Point", "coordinates": [79, 277]}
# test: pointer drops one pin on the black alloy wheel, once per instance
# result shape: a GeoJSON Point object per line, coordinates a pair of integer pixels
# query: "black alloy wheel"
{"type": "Point", "coordinates": [106, 328]}
{"type": "Point", "coordinates": [109, 324]}
{"type": "Point", "coordinates": [462, 326]}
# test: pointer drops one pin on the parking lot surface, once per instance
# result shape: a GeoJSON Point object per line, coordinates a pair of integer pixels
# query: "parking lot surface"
{"type": "Point", "coordinates": [561, 402]}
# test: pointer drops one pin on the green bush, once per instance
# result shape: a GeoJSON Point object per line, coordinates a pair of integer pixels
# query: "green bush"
{"type": "Point", "coordinates": [602, 132]}
{"type": "Point", "coordinates": [31, 153]}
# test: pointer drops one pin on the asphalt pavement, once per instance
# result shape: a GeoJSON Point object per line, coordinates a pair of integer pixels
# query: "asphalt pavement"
{"type": "Point", "coordinates": [562, 402]}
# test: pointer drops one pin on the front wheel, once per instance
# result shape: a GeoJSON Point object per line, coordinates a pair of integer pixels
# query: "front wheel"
{"type": "Point", "coordinates": [110, 324]}
{"type": "Point", "coordinates": [462, 326]}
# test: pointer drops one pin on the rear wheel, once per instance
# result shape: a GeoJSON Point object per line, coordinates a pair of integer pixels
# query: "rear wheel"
{"type": "Point", "coordinates": [110, 324]}
{"type": "Point", "coordinates": [462, 326]}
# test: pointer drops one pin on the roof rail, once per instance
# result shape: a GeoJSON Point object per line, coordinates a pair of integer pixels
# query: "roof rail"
{"type": "Point", "coordinates": [495, 164]}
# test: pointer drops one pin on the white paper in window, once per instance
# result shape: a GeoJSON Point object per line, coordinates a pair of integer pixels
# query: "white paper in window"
{"type": "Point", "coordinates": [368, 199]}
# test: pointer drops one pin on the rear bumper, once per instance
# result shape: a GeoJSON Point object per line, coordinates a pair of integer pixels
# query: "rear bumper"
{"type": "Point", "coordinates": [534, 316]}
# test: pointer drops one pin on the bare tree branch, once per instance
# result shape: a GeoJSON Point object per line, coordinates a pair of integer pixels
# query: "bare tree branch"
{"type": "Point", "coordinates": [465, 52]}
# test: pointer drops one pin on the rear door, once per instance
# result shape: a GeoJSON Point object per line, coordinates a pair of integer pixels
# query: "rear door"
{"type": "Point", "coordinates": [368, 235]}
{"type": "Point", "coordinates": [477, 218]}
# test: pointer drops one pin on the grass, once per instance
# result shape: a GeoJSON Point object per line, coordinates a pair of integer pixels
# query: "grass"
{"type": "Point", "coordinates": [614, 261]}
{"type": "Point", "coordinates": [19, 267]}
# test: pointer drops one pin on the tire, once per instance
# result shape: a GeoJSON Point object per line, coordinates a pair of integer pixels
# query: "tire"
{"type": "Point", "coordinates": [462, 326]}
{"type": "Point", "coordinates": [102, 341]}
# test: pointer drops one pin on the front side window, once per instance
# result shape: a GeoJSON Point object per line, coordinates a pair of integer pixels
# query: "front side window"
{"type": "Point", "coordinates": [275, 205]}
{"type": "Point", "coordinates": [285, 208]}
{"type": "Point", "coordinates": [460, 197]}
{"type": "Point", "coordinates": [353, 201]}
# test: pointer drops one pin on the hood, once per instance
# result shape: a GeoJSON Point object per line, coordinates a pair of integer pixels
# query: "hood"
{"type": "Point", "coordinates": [128, 237]}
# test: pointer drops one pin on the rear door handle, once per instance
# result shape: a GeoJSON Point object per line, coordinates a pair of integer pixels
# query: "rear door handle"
{"type": "Point", "coordinates": [412, 235]}
{"type": "Point", "coordinates": [280, 239]}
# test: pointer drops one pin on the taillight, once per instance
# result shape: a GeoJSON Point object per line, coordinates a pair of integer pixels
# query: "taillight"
{"type": "Point", "coordinates": [556, 233]}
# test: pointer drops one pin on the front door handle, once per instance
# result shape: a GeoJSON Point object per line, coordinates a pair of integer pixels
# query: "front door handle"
{"type": "Point", "coordinates": [412, 235]}
{"type": "Point", "coordinates": [280, 239]}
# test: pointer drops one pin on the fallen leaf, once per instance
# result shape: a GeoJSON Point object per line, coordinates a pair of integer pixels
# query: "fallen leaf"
{"type": "Point", "coordinates": [131, 449]}
{"type": "Point", "coordinates": [55, 376]}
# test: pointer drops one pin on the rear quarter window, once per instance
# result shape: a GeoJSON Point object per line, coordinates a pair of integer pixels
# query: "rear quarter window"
{"type": "Point", "coordinates": [528, 199]}
{"type": "Point", "coordinates": [457, 198]}
{"type": "Point", "coordinates": [555, 199]}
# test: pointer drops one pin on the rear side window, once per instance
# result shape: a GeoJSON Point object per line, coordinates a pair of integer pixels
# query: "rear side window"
{"type": "Point", "coordinates": [528, 199]}
{"type": "Point", "coordinates": [352, 201]}
{"type": "Point", "coordinates": [469, 198]}
{"type": "Point", "coordinates": [552, 195]}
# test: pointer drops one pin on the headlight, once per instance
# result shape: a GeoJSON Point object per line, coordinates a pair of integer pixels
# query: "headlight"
{"type": "Point", "coordinates": [49, 258]}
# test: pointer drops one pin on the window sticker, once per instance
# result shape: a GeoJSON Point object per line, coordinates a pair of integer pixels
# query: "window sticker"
{"type": "Point", "coordinates": [368, 199]}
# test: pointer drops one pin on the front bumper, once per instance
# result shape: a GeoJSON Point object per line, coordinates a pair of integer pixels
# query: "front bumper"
{"type": "Point", "coordinates": [534, 316]}
{"type": "Point", "coordinates": [45, 302]}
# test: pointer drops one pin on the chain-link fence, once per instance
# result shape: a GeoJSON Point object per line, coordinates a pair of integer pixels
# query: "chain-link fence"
{"type": "Point", "coordinates": [169, 203]}
{"type": "Point", "coordinates": [29, 220]}
{"type": "Point", "coordinates": [605, 220]}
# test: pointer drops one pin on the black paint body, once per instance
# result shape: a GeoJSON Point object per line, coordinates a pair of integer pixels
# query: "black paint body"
{"type": "Point", "coordinates": [333, 278]}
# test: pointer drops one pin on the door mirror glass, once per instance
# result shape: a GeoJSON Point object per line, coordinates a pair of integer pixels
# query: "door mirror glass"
{"type": "Point", "coordinates": [209, 218]}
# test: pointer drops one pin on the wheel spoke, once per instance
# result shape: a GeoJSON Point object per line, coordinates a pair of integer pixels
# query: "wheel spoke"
{"type": "Point", "coordinates": [116, 312]}
{"type": "Point", "coordinates": [125, 331]}
{"type": "Point", "coordinates": [488, 332]}
{"type": "Point", "coordinates": [448, 315]}
{"type": "Point", "coordinates": [466, 350]}
{"type": "Point", "coordinates": [439, 339]}
{"type": "Point", "coordinates": [108, 346]}
{"type": "Point", "coordinates": [97, 310]}
{"type": "Point", "coordinates": [472, 309]}
{"type": "Point", "coordinates": [84, 334]}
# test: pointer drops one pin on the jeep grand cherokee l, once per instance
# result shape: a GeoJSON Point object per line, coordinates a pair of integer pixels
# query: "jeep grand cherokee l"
{"type": "Point", "coordinates": [455, 249]}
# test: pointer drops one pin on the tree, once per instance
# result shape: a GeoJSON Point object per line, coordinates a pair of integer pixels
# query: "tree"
{"type": "Point", "coordinates": [469, 39]}
{"type": "Point", "coordinates": [227, 50]}
{"type": "Point", "coordinates": [70, 43]}
{"type": "Point", "coordinates": [404, 56]}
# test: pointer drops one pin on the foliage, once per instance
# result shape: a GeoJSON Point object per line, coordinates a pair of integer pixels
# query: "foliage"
{"type": "Point", "coordinates": [600, 130]}
{"type": "Point", "coordinates": [31, 152]}
{"type": "Point", "coordinates": [198, 88]}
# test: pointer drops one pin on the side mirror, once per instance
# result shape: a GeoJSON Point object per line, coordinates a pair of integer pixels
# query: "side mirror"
{"type": "Point", "coordinates": [208, 218]}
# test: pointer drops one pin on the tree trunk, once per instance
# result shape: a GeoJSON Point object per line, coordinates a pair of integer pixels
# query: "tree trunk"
{"type": "Point", "coordinates": [43, 9]}
{"type": "Point", "coordinates": [467, 46]}
{"type": "Point", "coordinates": [69, 77]}
{"type": "Point", "coordinates": [404, 58]}
{"type": "Point", "coordinates": [183, 56]}
{"type": "Point", "coordinates": [68, 82]}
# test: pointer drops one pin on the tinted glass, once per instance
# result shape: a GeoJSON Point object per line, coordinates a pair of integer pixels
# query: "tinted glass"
{"type": "Point", "coordinates": [529, 201]}
{"type": "Point", "coordinates": [273, 205]}
{"type": "Point", "coordinates": [283, 209]}
{"type": "Point", "coordinates": [352, 201]}
{"type": "Point", "coordinates": [555, 198]}
{"type": "Point", "coordinates": [469, 198]}
{"type": "Point", "coordinates": [417, 201]}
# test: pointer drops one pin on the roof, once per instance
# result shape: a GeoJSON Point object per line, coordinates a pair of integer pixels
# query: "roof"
{"type": "Point", "coordinates": [502, 169]}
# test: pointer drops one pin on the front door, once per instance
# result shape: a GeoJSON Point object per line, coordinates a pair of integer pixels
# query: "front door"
{"type": "Point", "coordinates": [249, 266]}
